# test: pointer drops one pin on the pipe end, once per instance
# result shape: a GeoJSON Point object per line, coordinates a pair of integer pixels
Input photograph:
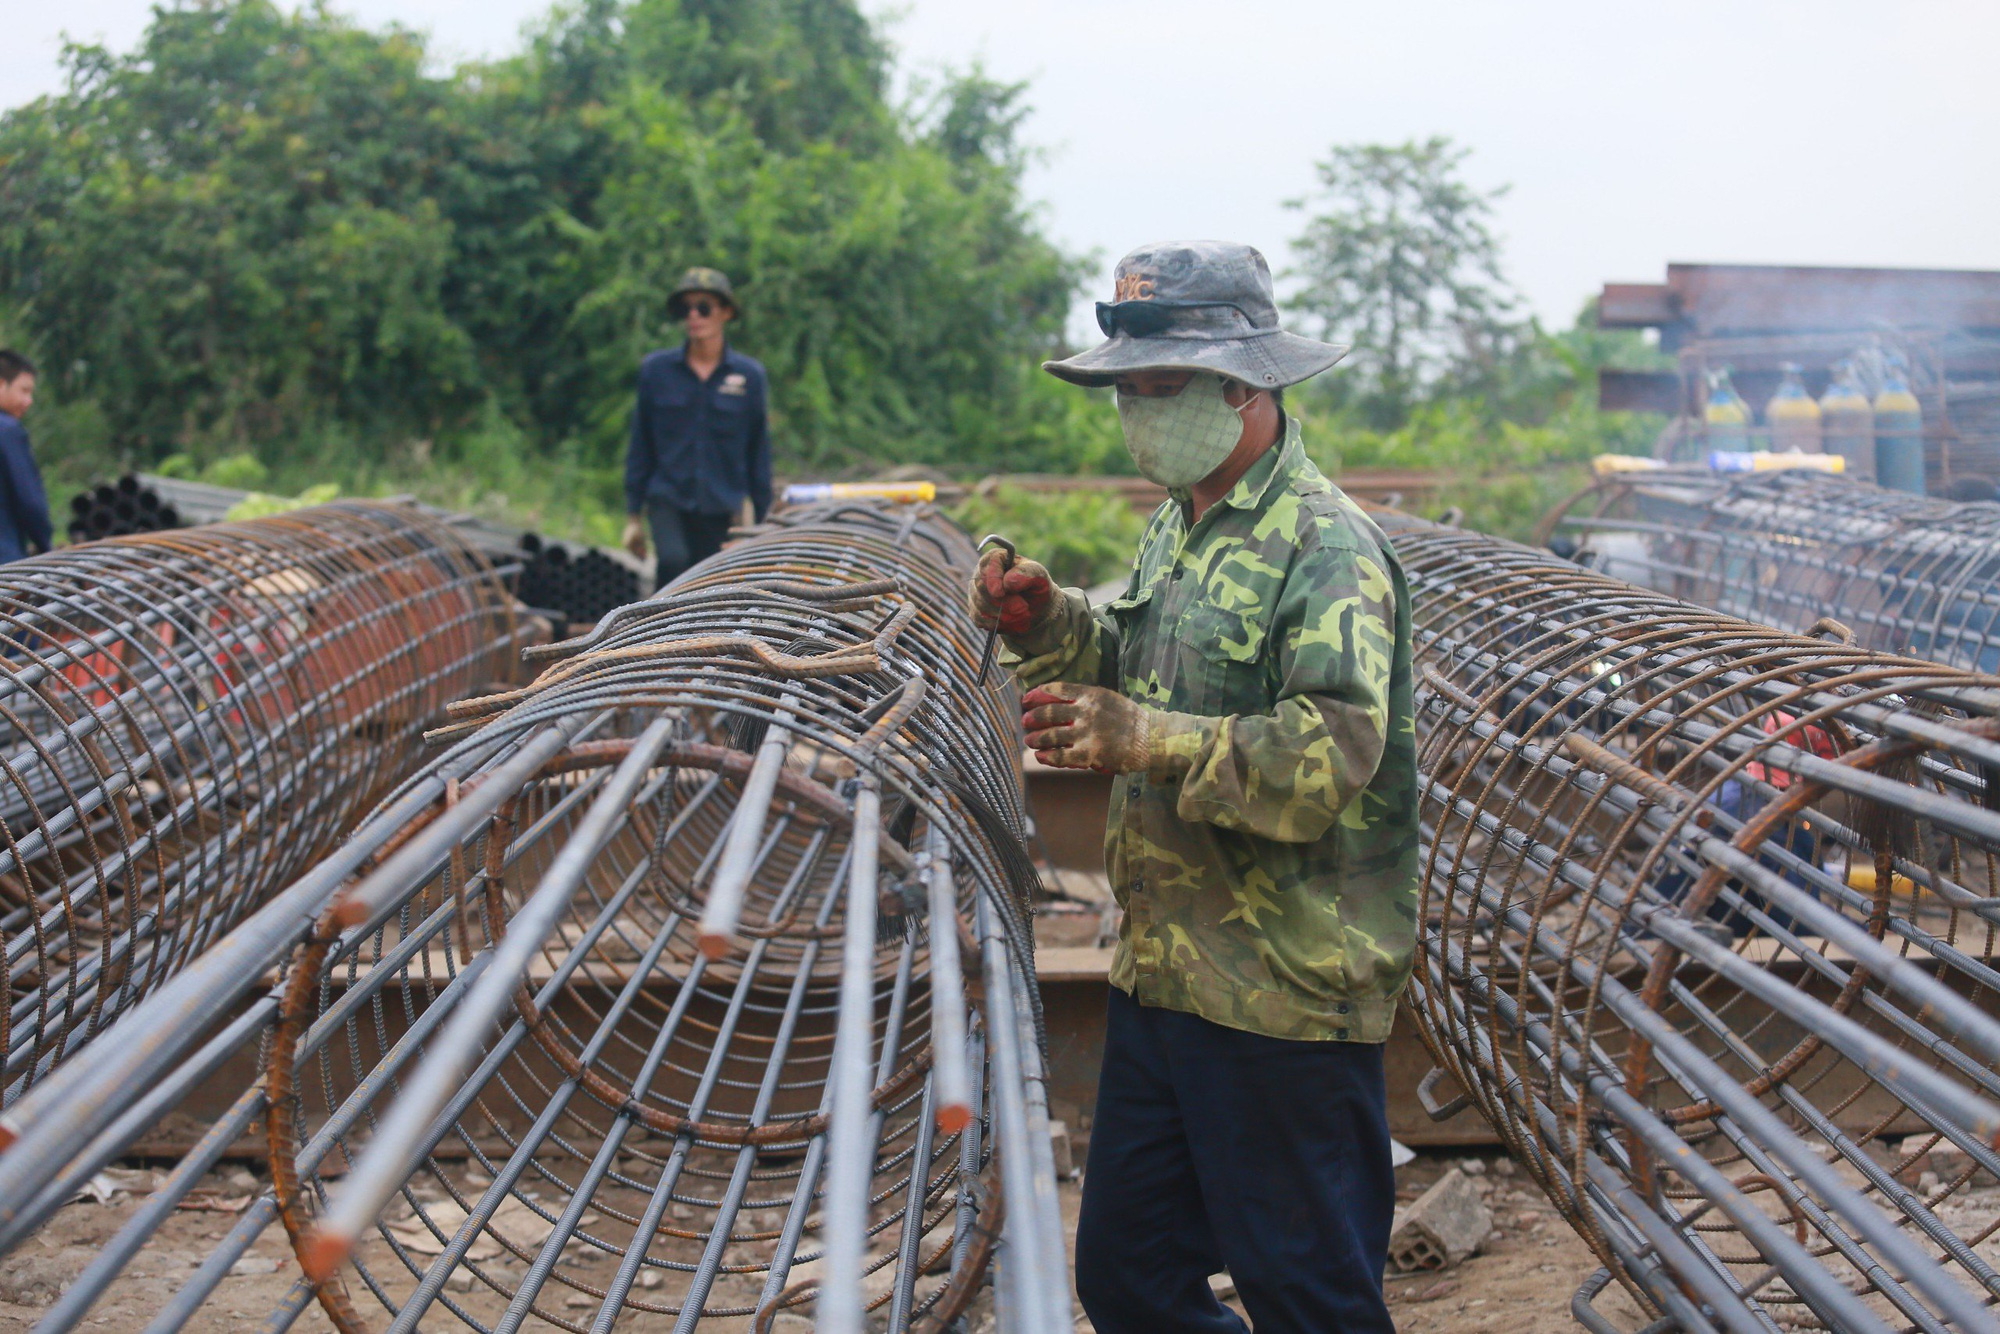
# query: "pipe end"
{"type": "Point", "coordinates": [713, 944]}
{"type": "Point", "coordinates": [321, 1253]}
{"type": "Point", "coordinates": [9, 1132]}
{"type": "Point", "coordinates": [954, 1117]}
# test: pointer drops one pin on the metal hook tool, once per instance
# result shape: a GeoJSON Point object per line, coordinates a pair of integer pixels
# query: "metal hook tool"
{"type": "Point", "coordinates": [993, 634]}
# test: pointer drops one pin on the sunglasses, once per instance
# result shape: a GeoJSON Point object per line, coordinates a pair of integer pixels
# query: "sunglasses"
{"type": "Point", "coordinates": [701, 306]}
{"type": "Point", "coordinates": [1144, 319]}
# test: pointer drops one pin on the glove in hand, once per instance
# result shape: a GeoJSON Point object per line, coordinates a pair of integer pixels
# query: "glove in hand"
{"type": "Point", "coordinates": [1020, 599]}
{"type": "Point", "coordinates": [634, 538]}
{"type": "Point", "coordinates": [1088, 727]}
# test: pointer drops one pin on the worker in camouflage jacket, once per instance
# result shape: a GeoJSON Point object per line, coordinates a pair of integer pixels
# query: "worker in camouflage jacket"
{"type": "Point", "coordinates": [1251, 691]}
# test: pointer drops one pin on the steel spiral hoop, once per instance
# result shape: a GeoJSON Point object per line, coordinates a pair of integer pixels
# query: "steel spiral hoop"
{"type": "Point", "coordinates": [647, 999]}
{"type": "Point", "coordinates": [1708, 935]}
{"type": "Point", "coordinates": [187, 720]}
{"type": "Point", "coordinates": [1799, 550]}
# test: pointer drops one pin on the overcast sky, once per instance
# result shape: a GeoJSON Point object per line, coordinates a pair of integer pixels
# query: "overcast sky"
{"type": "Point", "coordinates": [1632, 132]}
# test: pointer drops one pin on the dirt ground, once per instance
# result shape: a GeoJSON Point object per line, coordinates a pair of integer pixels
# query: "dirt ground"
{"type": "Point", "coordinates": [1520, 1283]}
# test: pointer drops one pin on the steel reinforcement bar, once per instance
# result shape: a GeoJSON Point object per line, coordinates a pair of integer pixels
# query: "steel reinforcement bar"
{"type": "Point", "coordinates": [1805, 552]}
{"type": "Point", "coordinates": [188, 720]}
{"type": "Point", "coordinates": [648, 999]}
{"type": "Point", "coordinates": [1708, 935]}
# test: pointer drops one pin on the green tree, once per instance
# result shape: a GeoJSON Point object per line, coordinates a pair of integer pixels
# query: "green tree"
{"type": "Point", "coordinates": [237, 226]}
{"type": "Point", "coordinates": [282, 234]}
{"type": "Point", "coordinates": [1398, 258]}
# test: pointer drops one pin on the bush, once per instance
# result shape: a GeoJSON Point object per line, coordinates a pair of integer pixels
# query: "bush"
{"type": "Point", "coordinates": [1083, 537]}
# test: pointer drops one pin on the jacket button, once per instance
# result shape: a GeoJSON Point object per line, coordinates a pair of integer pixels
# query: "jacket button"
{"type": "Point", "coordinates": [1340, 1007]}
{"type": "Point", "coordinates": [1340, 1035]}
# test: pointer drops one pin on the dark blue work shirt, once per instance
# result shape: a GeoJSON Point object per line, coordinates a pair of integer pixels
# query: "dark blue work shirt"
{"type": "Point", "coordinates": [699, 445]}
{"type": "Point", "coordinates": [24, 506]}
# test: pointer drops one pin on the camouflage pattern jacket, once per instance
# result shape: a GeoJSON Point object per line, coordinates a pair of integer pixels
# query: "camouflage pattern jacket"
{"type": "Point", "coordinates": [1274, 888]}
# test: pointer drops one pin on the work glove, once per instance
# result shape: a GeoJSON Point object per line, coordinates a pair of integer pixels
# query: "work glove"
{"type": "Point", "coordinates": [634, 539]}
{"type": "Point", "coordinates": [1089, 727]}
{"type": "Point", "coordinates": [1020, 599]}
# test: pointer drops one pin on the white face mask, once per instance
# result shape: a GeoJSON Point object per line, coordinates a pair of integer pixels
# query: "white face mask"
{"type": "Point", "coordinates": [1180, 440]}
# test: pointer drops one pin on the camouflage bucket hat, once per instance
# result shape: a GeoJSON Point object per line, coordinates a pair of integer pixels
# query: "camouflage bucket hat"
{"type": "Point", "coordinates": [1196, 306]}
{"type": "Point", "coordinates": [712, 281]}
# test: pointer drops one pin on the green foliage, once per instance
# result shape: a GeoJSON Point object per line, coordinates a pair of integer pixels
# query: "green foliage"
{"type": "Point", "coordinates": [242, 471]}
{"type": "Point", "coordinates": [1508, 454]}
{"type": "Point", "coordinates": [1400, 261]}
{"type": "Point", "coordinates": [280, 234]}
{"type": "Point", "coordinates": [257, 504]}
{"type": "Point", "coordinates": [1083, 537]}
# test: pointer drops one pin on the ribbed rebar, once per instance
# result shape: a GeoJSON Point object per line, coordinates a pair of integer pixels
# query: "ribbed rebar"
{"type": "Point", "coordinates": [1709, 916]}
{"type": "Point", "coordinates": [1804, 552]}
{"type": "Point", "coordinates": [189, 719]}
{"type": "Point", "coordinates": [509, 1078]}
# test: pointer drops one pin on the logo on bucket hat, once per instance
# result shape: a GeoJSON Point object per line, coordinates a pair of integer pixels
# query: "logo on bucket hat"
{"type": "Point", "coordinates": [1196, 305]}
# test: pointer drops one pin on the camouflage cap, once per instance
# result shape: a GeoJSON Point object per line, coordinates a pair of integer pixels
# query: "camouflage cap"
{"type": "Point", "coordinates": [1201, 306]}
{"type": "Point", "coordinates": [699, 279]}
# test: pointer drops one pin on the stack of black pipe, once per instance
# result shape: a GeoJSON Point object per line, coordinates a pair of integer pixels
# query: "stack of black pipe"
{"type": "Point", "coordinates": [581, 587]}
{"type": "Point", "coordinates": [115, 509]}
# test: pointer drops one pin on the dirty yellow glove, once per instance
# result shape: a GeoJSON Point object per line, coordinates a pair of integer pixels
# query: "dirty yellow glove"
{"type": "Point", "coordinates": [1019, 598]}
{"type": "Point", "coordinates": [1089, 727]}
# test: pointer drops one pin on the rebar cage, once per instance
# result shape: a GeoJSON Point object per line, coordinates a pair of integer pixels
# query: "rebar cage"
{"type": "Point", "coordinates": [1708, 937]}
{"type": "Point", "coordinates": [644, 1000]}
{"type": "Point", "coordinates": [187, 720]}
{"type": "Point", "coordinates": [1804, 552]}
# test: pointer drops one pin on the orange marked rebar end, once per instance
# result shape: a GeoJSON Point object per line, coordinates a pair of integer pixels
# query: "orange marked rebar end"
{"type": "Point", "coordinates": [321, 1253]}
{"type": "Point", "coordinates": [954, 1118]}
{"type": "Point", "coordinates": [712, 944]}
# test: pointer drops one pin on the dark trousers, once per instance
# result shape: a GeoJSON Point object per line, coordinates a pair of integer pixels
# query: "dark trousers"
{"type": "Point", "coordinates": [682, 537]}
{"type": "Point", "coordinates": [1214, 1148]}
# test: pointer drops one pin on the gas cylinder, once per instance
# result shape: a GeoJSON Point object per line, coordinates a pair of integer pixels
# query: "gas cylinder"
{"type": "Point", "coordinates": [1793, 416]}
{"type": "Point", "coordinates": [1727, 416]}
{"type": "Point", "coordinates": [1847, 422]}
{"type": "Point", "coordinates": [1899, 430]}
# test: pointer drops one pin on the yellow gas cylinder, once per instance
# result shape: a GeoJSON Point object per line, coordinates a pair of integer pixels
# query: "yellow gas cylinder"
{"type": "Point", "coordinates": [1847, 423]}
{"type": "Point", "coordinates": [1899, 431]}
{"type": "Point", "coordinates": [1727, 416]}
{"type": "Point", "coordinates": [1793, 416]}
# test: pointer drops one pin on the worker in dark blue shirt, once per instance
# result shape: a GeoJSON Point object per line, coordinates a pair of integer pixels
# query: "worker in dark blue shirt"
{"type": "Point", "coordinates": [701, 441]}
{"type": "Point", "coordinates": [24, 505]}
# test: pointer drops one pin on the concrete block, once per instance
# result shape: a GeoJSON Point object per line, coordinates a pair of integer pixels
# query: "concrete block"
{"type": "Point", "coordinates": [1441, 1227]}
{"type": "Point", "coordinates": [1065, 1154]}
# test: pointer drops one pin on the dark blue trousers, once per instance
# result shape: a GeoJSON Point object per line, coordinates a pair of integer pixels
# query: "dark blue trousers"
{"type": "Point", "coordinates": [1214, 1148]}
{"type": "Point", "coordinates": [682, 538]}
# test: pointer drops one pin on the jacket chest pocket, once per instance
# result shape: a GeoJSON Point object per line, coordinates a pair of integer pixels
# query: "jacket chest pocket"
{"type": "Point", "coordinates": [1222, 660]}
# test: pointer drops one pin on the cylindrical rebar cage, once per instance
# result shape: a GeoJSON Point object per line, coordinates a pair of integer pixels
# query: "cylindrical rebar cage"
{"type": "Point", "coordinates": [694, 985]}
{"type": "Point", "coordinates": [1804, 552]}
{"type": "Point", "coordinates": [1708, 937]}
{"type": "Point", "coordinates": [190, 719]}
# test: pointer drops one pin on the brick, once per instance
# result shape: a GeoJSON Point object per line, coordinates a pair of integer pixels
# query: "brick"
{"type": "Point", "coordinates": [1065, 1155]}
{"type": "Point", "coordinates": [1441, 1227]}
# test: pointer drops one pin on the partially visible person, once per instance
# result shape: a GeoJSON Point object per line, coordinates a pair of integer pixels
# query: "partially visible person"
{"type": "Point", "coordinates": [701, 439]}
{"type": "Point", "coordinates": [24, 506]}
